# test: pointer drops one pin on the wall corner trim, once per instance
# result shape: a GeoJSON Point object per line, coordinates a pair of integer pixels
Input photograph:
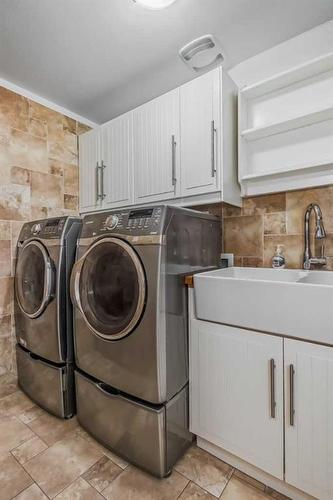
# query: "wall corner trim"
{"type": "Point", "coordinates": [45, 102]}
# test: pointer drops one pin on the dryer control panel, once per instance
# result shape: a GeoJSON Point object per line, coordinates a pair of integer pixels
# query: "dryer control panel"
{"type": "Point", "coordinates": [136, 222]}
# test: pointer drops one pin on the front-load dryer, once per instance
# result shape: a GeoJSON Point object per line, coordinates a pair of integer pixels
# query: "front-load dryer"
{"type": "Point", "coordinates": [43, 312]}
{"type": "Point", "coordinates": [130, 333]}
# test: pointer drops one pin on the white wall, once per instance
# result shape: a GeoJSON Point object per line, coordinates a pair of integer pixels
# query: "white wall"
{"type": "Point", "coordinates": [300, 49]}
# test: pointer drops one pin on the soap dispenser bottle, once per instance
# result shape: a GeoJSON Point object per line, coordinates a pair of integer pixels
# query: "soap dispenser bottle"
{"type": "Point", "coordinates": [278, 261]}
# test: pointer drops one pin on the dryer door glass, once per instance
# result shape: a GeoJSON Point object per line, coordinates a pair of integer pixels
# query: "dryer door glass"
{"type": "Point", "coordinates": [33, 279]}
{"type": "Point", "coordinates": [112, 288]}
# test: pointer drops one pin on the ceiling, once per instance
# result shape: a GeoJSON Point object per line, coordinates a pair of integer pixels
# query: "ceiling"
{"type": "Point", "coordinates": [100, 58]}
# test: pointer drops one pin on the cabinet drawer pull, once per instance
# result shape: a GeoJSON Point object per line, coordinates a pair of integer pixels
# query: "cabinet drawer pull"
{"type": "Point", "coordinates": [272, 386]}
{"type": "Point", "coordinates": [173, 146]}
{"type": "Point", "coordinates": [292, 395]}
{"type": "Point", "coordinates": [213, 132]}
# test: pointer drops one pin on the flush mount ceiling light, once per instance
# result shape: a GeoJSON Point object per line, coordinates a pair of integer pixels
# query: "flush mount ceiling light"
{"type": "Point", "coordinates": [154, 4]}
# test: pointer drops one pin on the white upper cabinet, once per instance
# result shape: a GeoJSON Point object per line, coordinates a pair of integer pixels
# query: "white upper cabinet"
{"type": "Point", "coordinates": [180, 148]}
{"type": "Point", "coordinates": [89, 156]}
{"type": "Point", "coordinates": [286, 130]}
{"type": "Point", "coordinates": [200, 125]}
{"type": "Point", "coordinates": [236, 392]}
{"type": "Point", "coordinates": [309, 417]}
{"type": "Point", "coordinates": [117, 156]}
{"type": "Point", "coordinates": [156, 149]}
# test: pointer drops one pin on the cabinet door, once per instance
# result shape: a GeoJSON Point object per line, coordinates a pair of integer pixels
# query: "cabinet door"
{"type": "Point", "coordinates": [89, 155]}
{"type": "Point", "coordinates": [156, 148]}
{"type": "Point", "coordinates": [200, 134]}
{"type": "Point", "coordinates": [309, 435]}
{"type": "Point", "coordinates": [232, 389]}
{"type": "Point", "coordinates": [117, 155]}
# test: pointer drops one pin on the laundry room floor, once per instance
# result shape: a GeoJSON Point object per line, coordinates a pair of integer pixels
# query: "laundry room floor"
{"type": "Point", "coordinates": [43, 457]}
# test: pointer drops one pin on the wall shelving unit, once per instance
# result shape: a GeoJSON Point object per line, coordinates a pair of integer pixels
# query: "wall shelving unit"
{"type": "Point", "coordinates": [286, 130]}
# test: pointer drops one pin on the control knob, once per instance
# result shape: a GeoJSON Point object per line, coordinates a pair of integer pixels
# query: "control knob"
{"type": "Point", "coordinates": [112, 221]}
{"type": "Point", "coordinates": [36, 229]}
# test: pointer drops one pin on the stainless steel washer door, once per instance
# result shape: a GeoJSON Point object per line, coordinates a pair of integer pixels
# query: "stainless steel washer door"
{"type": "Point", "coordinates": [34, 279]}
{"type": "Point", "coordinates": [108, 286]}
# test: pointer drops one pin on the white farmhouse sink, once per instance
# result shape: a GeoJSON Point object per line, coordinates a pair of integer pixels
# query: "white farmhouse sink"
{"type": "Point", "coordinates": [294, 303]}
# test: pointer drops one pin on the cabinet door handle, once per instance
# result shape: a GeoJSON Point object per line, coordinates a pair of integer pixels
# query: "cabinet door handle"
{"type": "Point", "coordinates": [292, 395]}
{"type": "Point", "coordinates": [173, 146]}
{"type": "Point", "coordinates": [98, 170]}
{"type": "Point", "coordinates": [213, 132]}
{"type": "Point", "coordinates": [272, 386]}
{"type": "Point", "coordinates": [103, 195]}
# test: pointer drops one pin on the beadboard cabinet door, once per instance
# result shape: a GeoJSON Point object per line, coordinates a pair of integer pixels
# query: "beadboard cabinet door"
{"type": "Point", "coordinates": [89, 155]}
{"type": "Point", "coordinates": [117, 154]}
{"type": "Point", "coordinates": [235, 377]}
{"type": "Point", "coordinates": [309, 428]}
{"type": "Point", "coordinates": [156, 149]}
{"type": "Point", "coordinates": [200, 126]}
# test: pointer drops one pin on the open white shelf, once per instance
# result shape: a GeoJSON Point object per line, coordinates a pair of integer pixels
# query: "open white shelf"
{"type": "Point", "coordinates": [286, 130]}
{"type": "Point", "coordinates": [252, 134]}
{"type": "Point", "coordinates": [302, 72]}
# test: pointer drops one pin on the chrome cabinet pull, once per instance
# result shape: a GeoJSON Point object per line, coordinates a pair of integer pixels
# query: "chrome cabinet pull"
{"type": "Point", "coordinates": [98, 196]}
{"type": "Point", "coordinates": [213, 132]}
{"type": "Point", "coordinates": [292, 395]}
{"type": "Point", "coordinates": [173, 146]}
{"type": "Point", "coordinates": [272, 386]}
{"type": "Point", "coordinates": [103, 195]}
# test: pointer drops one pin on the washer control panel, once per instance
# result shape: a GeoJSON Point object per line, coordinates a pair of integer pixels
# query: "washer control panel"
{"type": "Point", "coordinates": [48, 228]}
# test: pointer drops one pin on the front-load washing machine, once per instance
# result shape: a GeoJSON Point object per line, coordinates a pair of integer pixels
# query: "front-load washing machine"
{"type": "Point", "coordinates": [43, 313]}
{"type": "Point", "coordinates": [130, 327]}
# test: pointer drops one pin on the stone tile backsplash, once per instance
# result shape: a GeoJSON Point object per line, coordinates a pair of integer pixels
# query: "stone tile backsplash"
{"type": "Point", "coordinates": [253, 231]}
{"type": "Point", "coordinates": [38, 178]}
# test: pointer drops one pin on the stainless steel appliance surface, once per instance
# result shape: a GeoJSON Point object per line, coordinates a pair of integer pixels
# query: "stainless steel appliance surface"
{"type": "Point", "coordinates": [43, 312]}
{"type": "Point", "coordinates": [130, 324]}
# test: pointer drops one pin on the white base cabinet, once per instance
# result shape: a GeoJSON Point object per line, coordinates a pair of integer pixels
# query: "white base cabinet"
{"type": "Point", "coordinates": [236, 393]}
{"type": "Point", "coordinates": [309, 431]}
{"type": "Point", "coordinates": [278, 419]}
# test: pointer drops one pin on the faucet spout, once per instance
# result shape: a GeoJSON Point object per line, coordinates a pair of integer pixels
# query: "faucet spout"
{"type": "Point", "coordinates": [319, 234]}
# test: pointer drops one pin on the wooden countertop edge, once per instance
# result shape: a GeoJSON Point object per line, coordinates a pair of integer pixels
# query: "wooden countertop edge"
{"type": "Point", "coordinates": [188, 278]}
{"type": "Point", "coordinates": [188, 281]}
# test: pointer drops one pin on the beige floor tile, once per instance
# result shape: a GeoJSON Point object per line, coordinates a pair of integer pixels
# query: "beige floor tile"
{"type": "Point", "coordinates": [205, 470]}
{"type": "Point", "coordinates": [15, 404]}
{"type": "Point", "coordinates": [8, 384]}
{"type": "Point", "coordinates": [13, 433]}
{"type": "Point", "coordinates": [133, 484]}
{"type": "Point", "coordinates": [31, 493]}
{"type": "Point", "coordinates": [102, 474]}
{"type": "Point", "coordinates": [194, 492]}
{"type": "Point", "coordinates": [29, 449]}
{"type": "Point", "coordinates": [57, 467]}
{"type": "Point", "coordinates": [274, 494]}
{"type": "Point", "coordinates": [238, 490]}
{"type": "Point", "coordinates": [31, 414]}
{"type": "Point", "coordinates": [79, 490]}
{"type": "Point", "coordinates": [52, 429]}
{"type": "Point", "coordinates": [108, 453]}
{"type": "Point", "coordinates": [13, 479]}
{"type": "Point", "coordinates": [249, 479]}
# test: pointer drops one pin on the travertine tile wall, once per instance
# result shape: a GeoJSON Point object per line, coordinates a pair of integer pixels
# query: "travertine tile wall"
{"type": "Point", "coordinates": [252, 232]}
{"type": "Point", "coordinates": [38, 178]}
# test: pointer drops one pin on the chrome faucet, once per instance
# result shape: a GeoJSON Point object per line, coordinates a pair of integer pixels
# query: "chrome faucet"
{"type": "Point", "coordinates": [319, 235]}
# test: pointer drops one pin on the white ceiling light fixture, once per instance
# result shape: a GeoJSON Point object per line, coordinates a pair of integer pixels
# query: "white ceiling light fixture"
{"type": "Point", "coordinates": [154, 4]}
